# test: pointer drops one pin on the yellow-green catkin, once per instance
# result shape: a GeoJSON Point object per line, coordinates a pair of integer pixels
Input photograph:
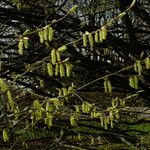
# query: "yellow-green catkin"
{"type": "Point", "coordinates": [91, 41]}
{"type": "Point", "coordinates": [3, 85]}
{"type": "Point", "coordinates": [84, 40]}
{"type": "Point", "coordinates": [58, 56]}
{"type": "Point", "coordinates": [73, 121]}
{"type": "Point", "coordinates": [104, 33]}
{"type": "Point", "coordinates": [20, 46]}
{"type": "Point", "coordinates": [62, 70]}
{"type": "Point", "coordinates": [105, 86]}
{"type": "Point", "coordinates": [50, 69]}
{"type": "Point", "coordinates": [139, 65]}
{"type": "Point", "coordinates": [62, 48]}
{"type": "Point", "coordinates": [45, 33]}
{"type": "Point", "coordinates": [50, 33]}
{"type": "Point", "coordinates": [96, 37]}
{"type": "Point", "coordinates": [109, 87]}
{"type": "Point", "coordinates": [5, 135]}
{"type": "Point", "coordinates": [101, 36]}
{"type": "Point", "coordinates": [56, 69]}
{"type": "Point", "coordinates": [41, 35]}
{"type": "Point", "coordinates": [131, 81]}
{"type": "Point", "coordinates": [135, 82]}
{"type": "Point", "coordinates": [68, 69]}
{"type": "Point", "coordinates": [10, 100]}
{"type": "Point", "coordinates": [53, 56]}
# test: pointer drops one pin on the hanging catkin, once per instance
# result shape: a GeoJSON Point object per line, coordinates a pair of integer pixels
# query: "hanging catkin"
{"type": "Point", "coordinates": [20, 46]}
{"type": "Point", "coordinates": [100, 36]}
{"type": "Point", "coordinates": [45, 33]}
{"type": "Point", "coordinates": [10, 100]}
{"type": "Point", "coordinates": [50, 33]}
{"type": "Point", "coordinates": [73, 121]}
{"type": "Point", "coordinates": [105, 86]}
{"type": "Point", "coordinates": [96, 37]}
{"type": "Point", "coordinates": [84, 40]}
{"type": "Point", "coordinates": [5, 135]}
{"type": "Point", "coordinates": [131, 81]}
{"type": "Point", "coordinates": [62, 70]}
{"type": "Point", "coordinates": [53, 56]}
{"type": "Point", "coordinates": [139, 66]}
{"type": "Point", "coordinates": [109, 87]}
{"type": "Point", "coordinates": [68, 69]}
{"type": "Point", "coordinates": [56, 69]}
{"type": "Point", "coordinates": [3, 85]}
{"type": "Point", "coordinates": [135, 82]}
{"type": "Point", "coordinates": [58, 56]}
{"type": "Point", "coordinates": [104, 33]}
{"type": "Point", "coordinates": [41, 35]}
{"type": "Point", "coordinates": [50, 69]}
{"type": "Point", "coordinates": [91, 41]}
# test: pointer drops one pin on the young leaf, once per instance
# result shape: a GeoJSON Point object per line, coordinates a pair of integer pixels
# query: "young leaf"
{"type": "Point", "coordinates": [26, 42]}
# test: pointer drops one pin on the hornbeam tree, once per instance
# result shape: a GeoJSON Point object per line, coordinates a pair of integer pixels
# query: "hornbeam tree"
{"type": "Point", "coordinates": [73, 69]}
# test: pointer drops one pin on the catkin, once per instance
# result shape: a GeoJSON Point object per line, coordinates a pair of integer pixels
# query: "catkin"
{"type": "Point", "coordinates": [131, 81]}
{"type": "Point", "coordinates": [56, 69]}
{"type": "Point", "coordinates": [84, 40]}
{"type": "Point", "coordinates": [104, 33]}
{"type": "Point", "coordinates": [135, 67]}
{"type": "Point", "coordinates": [20, 46]}
{"type": "Point", "coordinates": [102, 121]}
{"type": "Point", "coordinates": [41, 35]}
{"type": "Point", "coordinates": [139, 66]}
{"type": "Point", "coordinates": [3, 86]}
{"type": "Point", "coordinates": [5, 135]}
{"type": "Point", "coordinates": [109, 87]}
{"type": "Point", "coordinates": [62, 49]}
{"type": "Point", "coordinates": [65, 91]}
{"type": "Point", "coordinates": [58, 56]}
{"type": "Point", "coordinates": [105, 123]}
{"type": "Point", "coordinates": [73, 121]}
{"type": "Point", "coordinates": [45, 33]}
{"type": "Point", "coordinates": [105, 86]}
{"type": "Point", "coordinates": [50, 69]}
{"type": "Point", "coordinates": [100, 36]}
{"type": "Point", "coordinates": [49, 121]}
{"type": "Point", "coordinates": [53, 56]}
{"type": "Point", "coordinates": [135, 82]}
{"type": "Point", "coordinates": [91, 41]}
{"type": "Point", "coordinates": [10, 100]}
{"type": "Point", "coordinates": [96, 37]}
{"type": "Point", "coordinates": [62, 70]}
{"type": "Point", "coordinates": [68, 69]}
{"type": "Point", "coordinates": [50, 33]}
{"type": "Point", "coordinates": [86, 107]}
